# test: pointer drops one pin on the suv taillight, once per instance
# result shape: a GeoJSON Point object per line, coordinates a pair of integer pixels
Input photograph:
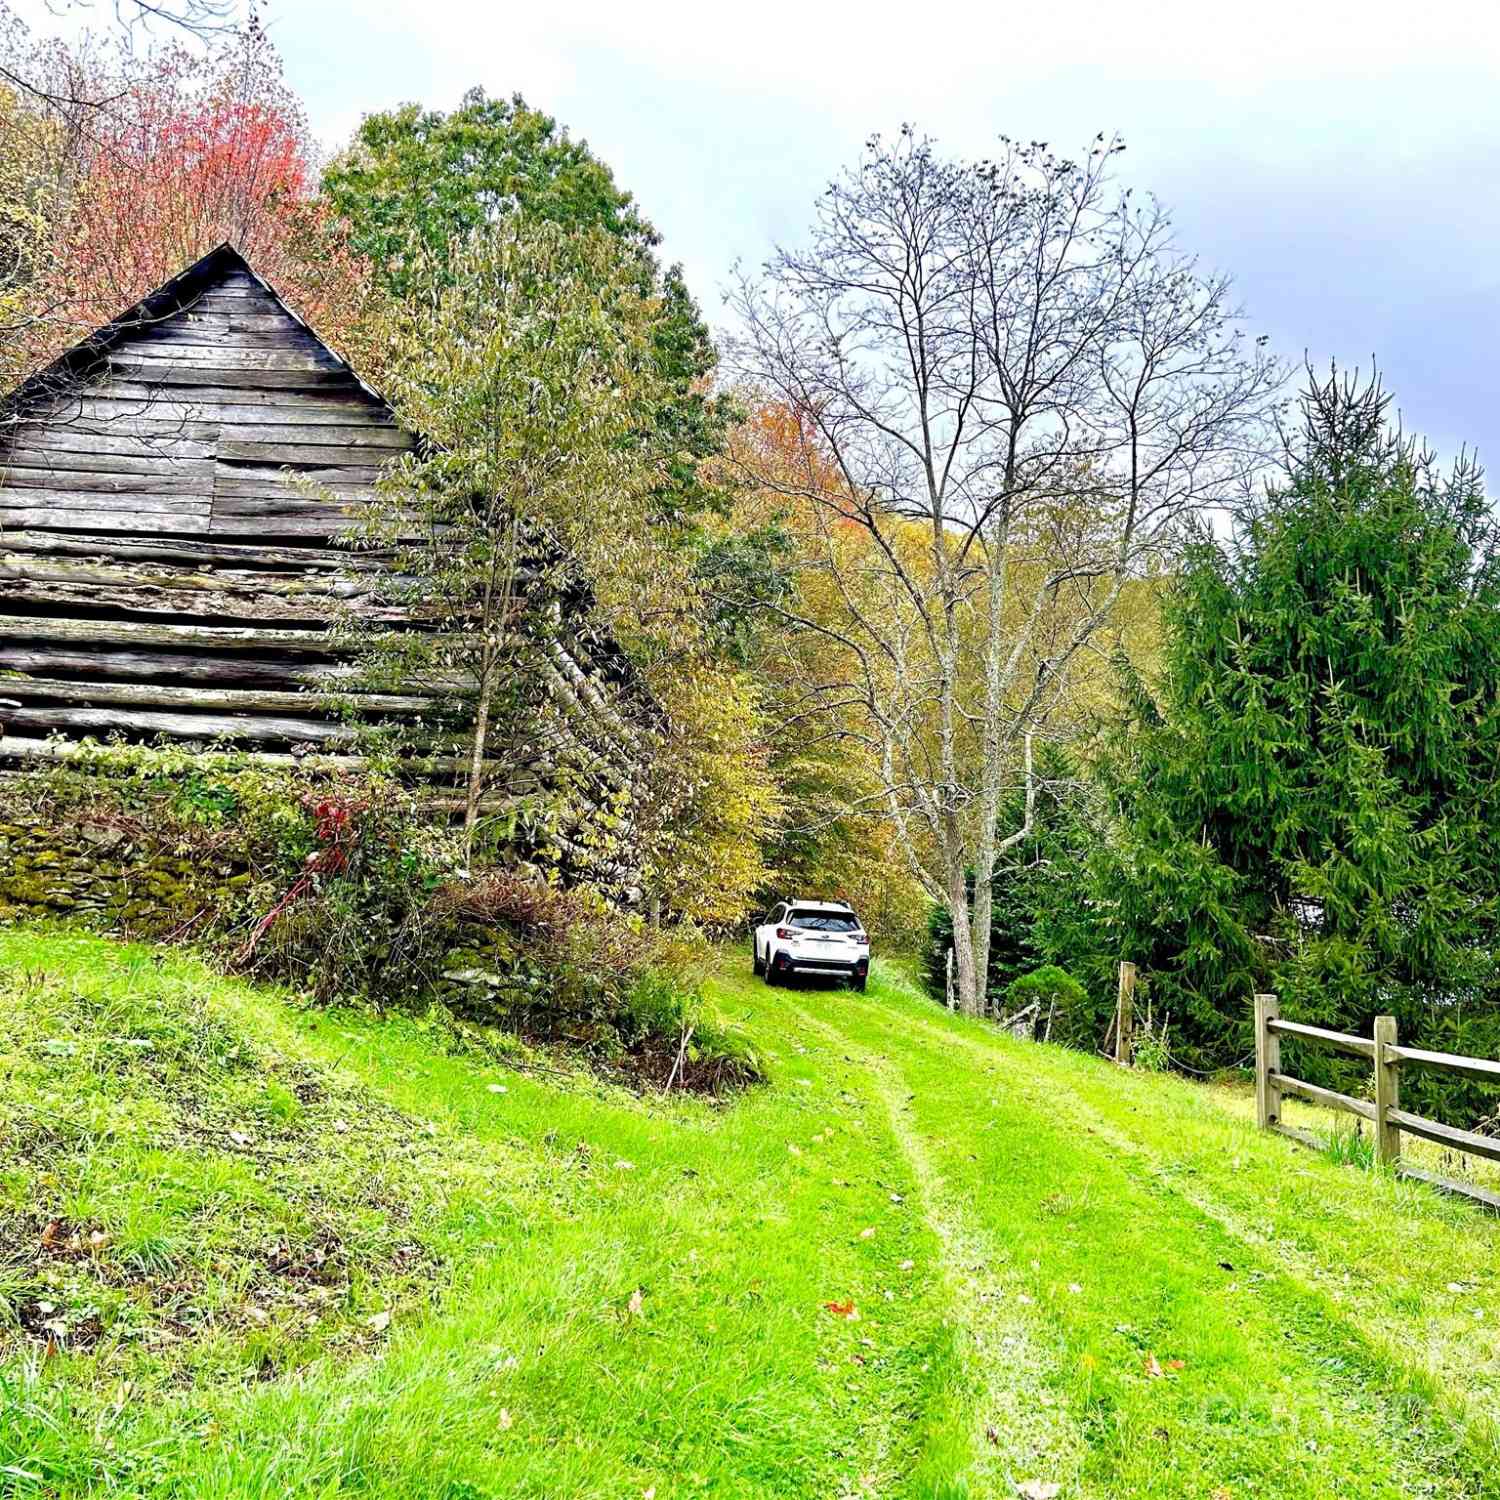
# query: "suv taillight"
{"type": "Point", "coordinates": [783, 932]}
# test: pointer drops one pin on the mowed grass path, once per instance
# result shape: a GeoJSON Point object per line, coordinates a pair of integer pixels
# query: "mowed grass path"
{"type": "Point", "coordinates": [1043, 1272]}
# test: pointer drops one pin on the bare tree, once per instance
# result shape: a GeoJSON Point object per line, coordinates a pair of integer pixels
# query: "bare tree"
{"type": "Point", "coordinates": [1019, 391]}
{"type": "Point", "coordinates": [51, 75]}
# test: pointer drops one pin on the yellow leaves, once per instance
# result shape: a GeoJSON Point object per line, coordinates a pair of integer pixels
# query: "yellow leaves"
{"type": "Point", "coordinates": [713, 800]}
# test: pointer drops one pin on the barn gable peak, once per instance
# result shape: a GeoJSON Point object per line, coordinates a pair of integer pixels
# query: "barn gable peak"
{"type": "Point", "coordinates": [175, 295]}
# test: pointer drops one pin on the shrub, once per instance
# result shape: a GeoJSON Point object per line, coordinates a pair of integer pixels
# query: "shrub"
{"type": "Point", "coordinates": [1059, 998]}
{"type": "Point", "coordinates": [563, 965]}
{"type": "Point", "coordinates": [346, 886]}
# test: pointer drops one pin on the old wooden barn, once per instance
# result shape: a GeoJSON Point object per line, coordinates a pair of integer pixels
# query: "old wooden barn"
{"type": "Point", "coordinates": [163, 571]}
{"type": "Point", "coordinates": [165, 568]}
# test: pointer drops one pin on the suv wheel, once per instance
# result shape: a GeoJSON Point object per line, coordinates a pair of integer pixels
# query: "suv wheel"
{"type": "Point", "coordinates": [756, 966]}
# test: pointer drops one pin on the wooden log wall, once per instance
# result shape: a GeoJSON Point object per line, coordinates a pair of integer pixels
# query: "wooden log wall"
{"type": "Point", "coordinates": [164, 567]}
{"type": "Point", "coordinates": [172, 496]}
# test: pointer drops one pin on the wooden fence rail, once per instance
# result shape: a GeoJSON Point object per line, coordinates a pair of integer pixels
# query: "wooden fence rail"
{"type": "Point", "coordinates": [1385, 1114]}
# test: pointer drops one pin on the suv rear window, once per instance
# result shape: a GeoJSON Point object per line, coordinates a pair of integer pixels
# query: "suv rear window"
{"type": "Point", "coordinates": [824, 921]}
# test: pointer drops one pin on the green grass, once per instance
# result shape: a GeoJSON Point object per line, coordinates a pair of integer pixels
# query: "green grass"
{"type": "Point", "coordinates": [1063, 1274]}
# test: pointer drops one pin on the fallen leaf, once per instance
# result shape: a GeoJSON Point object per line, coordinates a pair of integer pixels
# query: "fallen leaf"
{"type": "Point", "coordinates": [993, 1435]}
{"type": "Point", "coordinates": [846, 1310]}
{"type": "Point", "coordinates": [1088, 1362]}
{"type": "Point", "coordinates": [341, 1126]}
{"type": "Point", "coordinates": [1222, 1493]}
{"type": "Point", "coordinates": [794, 1148]}
{"type": "Point", "coordinates": [624, 1166]}
{"type": "Point", "coordinates": [504, 1421]}
{"type": "Point", "coordinates": [1038, 1489]}
{"type": "Point", "coordinates": [378, 1322]}
{"type": "Point", "coordinates": [1152, 1366]}
{"type": "Point", "coordinates": [1075, 1288]}
{"type": "Point", "coordinates": [867, 1234]}
{"type": "Point", "coordinates": [1176, 1364]}
{"type": "Point", "coordinates": [239, 1137]}
{"type": "Point", "coordinates": [637, 1301]}
{"type": "Point", "coordinates": [498, 1088]}
{"type": "Point", "coordinates": [649, 1494]}
{"type": "Point", "coordinates": [906, 1265]}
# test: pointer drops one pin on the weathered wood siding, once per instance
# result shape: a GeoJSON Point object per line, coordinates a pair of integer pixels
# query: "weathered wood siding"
{"type": "Point", "coordinates": [164, 568]}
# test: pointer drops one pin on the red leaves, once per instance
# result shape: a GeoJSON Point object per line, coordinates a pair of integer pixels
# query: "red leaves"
{"type": "Point", "coordinates": [336, 827]}
{"type": "Point", "coordinates": [845, 1310]}
{"type": "Point", "coordinates": [192, 151]}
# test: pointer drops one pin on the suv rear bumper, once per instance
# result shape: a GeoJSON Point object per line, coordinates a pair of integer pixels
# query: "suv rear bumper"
{"type": "Point", "coordinates": [790, 963]}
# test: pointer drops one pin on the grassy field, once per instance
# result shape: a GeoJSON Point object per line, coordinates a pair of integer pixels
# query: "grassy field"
{"type": "Point", "coordinates": [249, 1248]}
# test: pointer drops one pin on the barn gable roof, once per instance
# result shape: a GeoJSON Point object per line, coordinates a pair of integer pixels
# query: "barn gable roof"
{"type": "Point", "coordinates": [176, 295]}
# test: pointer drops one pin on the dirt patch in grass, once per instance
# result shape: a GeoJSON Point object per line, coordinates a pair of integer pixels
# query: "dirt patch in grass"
{"type": "Point", "coordinates": [166, 1178]}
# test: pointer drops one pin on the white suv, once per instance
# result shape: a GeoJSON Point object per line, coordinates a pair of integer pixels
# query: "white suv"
{"type": "Point", "coordinates": [812, 937]}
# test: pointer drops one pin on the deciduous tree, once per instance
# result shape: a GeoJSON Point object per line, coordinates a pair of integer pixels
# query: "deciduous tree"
{"type": "Point", "coordinates": [1023, 388]}
{"type": "Point", "coordinates": [195, 148]}
{"type": "Point", "coordinates": [414, 184]}
{"type": "Point", "coordinates": [524, 362]}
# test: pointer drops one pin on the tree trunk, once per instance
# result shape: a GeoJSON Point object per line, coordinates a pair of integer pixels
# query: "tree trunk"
{"type": "Point", "coordinates": [970, 984]}
{"type": "Point", "coordinates": [476, 759]}
{"type": "Point", "coordinates": [991, 773]}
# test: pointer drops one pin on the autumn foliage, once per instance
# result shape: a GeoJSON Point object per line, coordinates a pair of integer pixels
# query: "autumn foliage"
{"type": "Point", "coordinates": [189, 152]}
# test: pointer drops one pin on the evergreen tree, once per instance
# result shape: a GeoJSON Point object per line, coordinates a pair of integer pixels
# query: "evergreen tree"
{"type": "Point", "coordinates": [1308, 807]}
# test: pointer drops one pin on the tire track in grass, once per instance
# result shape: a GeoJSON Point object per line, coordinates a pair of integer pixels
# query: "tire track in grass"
{"type": "Point", "coordinates": [1332, 1341]}
{"type": "Point", "coordinates": [1016, 1430]}
{"type": "Point", "coordinates": [905, 1390]}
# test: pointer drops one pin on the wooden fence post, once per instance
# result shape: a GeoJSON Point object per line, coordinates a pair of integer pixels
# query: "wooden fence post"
{"type": "Point", "coordinates": [1387, 1092]}
{"type": "Point", "coordinates": [1125, 1015]}
{"type": "Point", "coordinates": [1267, 1061]}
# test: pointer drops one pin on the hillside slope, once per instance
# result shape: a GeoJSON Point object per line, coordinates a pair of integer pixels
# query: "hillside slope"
{"type": "Point", "coordinates": [250, 1249]}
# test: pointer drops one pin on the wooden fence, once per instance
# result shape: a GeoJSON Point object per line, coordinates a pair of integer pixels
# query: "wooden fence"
{"type": "Point", "coordinates": [1387, 1119]}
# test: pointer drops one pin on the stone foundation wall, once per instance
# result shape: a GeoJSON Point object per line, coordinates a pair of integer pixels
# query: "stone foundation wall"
{"type": "Point", "coordinates": [108, 878]}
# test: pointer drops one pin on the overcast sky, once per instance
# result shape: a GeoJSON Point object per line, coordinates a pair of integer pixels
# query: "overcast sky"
{"type": "Point", "coordinates": [1340, 160]}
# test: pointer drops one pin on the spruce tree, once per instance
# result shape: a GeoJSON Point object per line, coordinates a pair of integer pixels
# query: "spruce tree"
{"type": "Point", "coordinates": [1308, 805]}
